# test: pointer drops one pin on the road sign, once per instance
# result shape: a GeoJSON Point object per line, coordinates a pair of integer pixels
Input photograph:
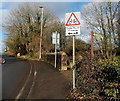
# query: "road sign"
{"type": "Point", "coordinates": [56, 42]}
{"type": "Point", "coordinates": [72, 19]}
{"type": "Point", "coordinates": [55, 38]}
{"type": "Point", "coordinates": [72, 30]}
{"type": "Point", "coordinates": [72, 23]}
{"type": "Point", "coordinates": [98, 35]}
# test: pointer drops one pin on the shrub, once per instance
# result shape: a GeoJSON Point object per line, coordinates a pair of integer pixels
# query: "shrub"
{"type": "Point", "coordinates": [86, 78]}
{"type": "Point", "coordinates": [110, 76]}
{"type": "Point", "coordinates": [98, 78]}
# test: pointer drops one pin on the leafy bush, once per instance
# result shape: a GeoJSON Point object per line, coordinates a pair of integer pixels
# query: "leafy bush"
{"type": "Point", "coordinates": [31, 54]}
{"type": "Point", "coordinates": [86, 79]}
{"type": "Point", "coordinates": [110, 76]}
{"type": "Point", "coordinates": [98, 78]}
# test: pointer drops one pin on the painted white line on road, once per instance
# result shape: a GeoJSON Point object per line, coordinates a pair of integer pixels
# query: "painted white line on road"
{"type": "Point", "coordinates": [21, 91]}
{"type": "Point", "coordinates": [33, 83]}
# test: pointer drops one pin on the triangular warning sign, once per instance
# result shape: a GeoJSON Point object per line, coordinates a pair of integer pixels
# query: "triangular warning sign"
{"type": "Point", "coordinates": [73, 20]}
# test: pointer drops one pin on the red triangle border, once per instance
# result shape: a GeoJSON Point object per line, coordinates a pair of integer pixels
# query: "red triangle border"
{"type": "Point", "coordinates": [69, 19]}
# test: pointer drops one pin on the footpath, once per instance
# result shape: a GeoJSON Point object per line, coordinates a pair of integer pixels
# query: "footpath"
{"type": "Point", "coordinates": [50, 83]}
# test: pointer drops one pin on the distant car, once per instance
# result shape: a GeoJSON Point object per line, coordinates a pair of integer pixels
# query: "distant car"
{"type": "Point", "coordinates": [2, 60]}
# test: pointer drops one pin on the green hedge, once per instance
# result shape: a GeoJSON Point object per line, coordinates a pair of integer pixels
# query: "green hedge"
{"type": "Point", "coordinates": [98, 78]}
{"type": "Point", "coordinates": [110, 76]}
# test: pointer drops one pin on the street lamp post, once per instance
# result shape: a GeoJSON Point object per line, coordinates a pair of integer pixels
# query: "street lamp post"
{"type": "Point", "coordinates": [41, 32]}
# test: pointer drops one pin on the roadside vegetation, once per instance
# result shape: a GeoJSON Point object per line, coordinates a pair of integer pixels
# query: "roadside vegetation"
{"type": "Point", "coordinates": [97, 79]}
{"type": "Point", "coordinates": [98, 76]}
{"type": "Point", "coordinates": [23, 26]}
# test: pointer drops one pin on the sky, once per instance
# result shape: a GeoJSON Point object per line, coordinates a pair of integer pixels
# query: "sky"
{"type": "Point", "coordinates": [59, 8]}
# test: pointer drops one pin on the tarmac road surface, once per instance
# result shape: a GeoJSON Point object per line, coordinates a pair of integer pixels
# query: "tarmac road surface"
{"type": "Point", "coordinates": [24, 79]}
{"type": "Point", "coordinates": [14, 72]}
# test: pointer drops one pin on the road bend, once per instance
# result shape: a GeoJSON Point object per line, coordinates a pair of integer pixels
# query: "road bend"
{"type": "Point", "coordinates": [24, 79]}
{"type": "Point", "coordinates": [14, 74]}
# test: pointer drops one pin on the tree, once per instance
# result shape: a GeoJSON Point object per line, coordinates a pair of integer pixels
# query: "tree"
{"type": "Point", "coordinates": [118, 29]}
{"type": "Point", "coordinates": [80, 46]}
{"type": "Point", "coordinates": [23, 25]}
{"type": "Point", "coordinates": [101, 18]}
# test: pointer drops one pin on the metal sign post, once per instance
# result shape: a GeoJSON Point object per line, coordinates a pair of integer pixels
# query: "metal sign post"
{"type": "Point", "coordinates": [56, 41]}
{"type": "Point", "coordinates": [72, 23]}
{"type": "Point", "coordinates": [73, 62]}
{"type": "Point", "coordinates": [56, 49]}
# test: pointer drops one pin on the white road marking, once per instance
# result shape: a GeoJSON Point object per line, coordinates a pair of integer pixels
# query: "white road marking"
{"type": "Point", "coordinates": [21, 91]}
{"type": "Point", "coordinates": [33, 83]}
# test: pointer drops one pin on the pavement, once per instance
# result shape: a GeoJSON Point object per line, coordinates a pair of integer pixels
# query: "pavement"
{"type": "Point", "coordinates": [24, 79]}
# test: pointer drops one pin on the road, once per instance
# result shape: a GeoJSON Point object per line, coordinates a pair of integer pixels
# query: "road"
{"type": "Point", "coordinates": [24, 79]}
{"type": "Point", "coordinates": [14, 72]}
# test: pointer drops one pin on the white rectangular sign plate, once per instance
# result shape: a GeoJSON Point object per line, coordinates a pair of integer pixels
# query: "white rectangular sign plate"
{"type": "Point", "coordinates": [54, 37]}
{"type": "Point", "coordinates": [72, 30]}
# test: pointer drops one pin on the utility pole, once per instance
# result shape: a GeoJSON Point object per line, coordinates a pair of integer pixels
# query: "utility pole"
{"type": "Point", "coordinates": [92, 45]}
{"type": "Point", "coordinates": [40, 54]}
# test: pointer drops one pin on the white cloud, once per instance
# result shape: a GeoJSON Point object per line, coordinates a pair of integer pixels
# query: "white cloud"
{"type": "Point", "coordinates": [0, 4]}
{"type": "Point", "coordinates": [0, 18]}
{"type": "Point", "coordinates": [85, 32]}
{"type": "Point", "coordinates": [3, 14]}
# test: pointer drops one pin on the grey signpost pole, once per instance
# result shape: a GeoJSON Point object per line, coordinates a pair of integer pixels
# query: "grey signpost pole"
{"type": "Point", "coordinates": [55, 41]}
{"type": "Point", "coordinates": [41, 34]}
{"type": "Point", "coordinates": [73, 62]}
{"type": "Point", "coordinates": [55, 49]}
